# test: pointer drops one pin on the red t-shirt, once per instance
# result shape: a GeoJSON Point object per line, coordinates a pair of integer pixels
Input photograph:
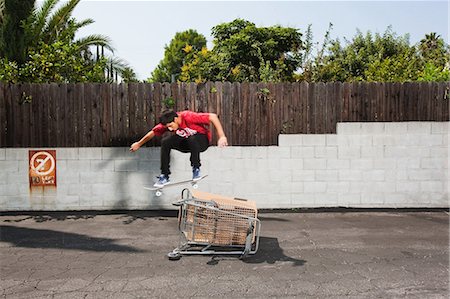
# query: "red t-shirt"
{"type": "Point", "coordinates": [191, 123]}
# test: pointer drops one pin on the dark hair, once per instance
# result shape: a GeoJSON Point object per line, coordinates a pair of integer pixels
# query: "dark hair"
{"type": "Point", "coordinates": [167, 116]}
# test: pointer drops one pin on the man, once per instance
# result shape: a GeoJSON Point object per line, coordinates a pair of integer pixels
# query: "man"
{"type": "Point", "coordinates": [190, 134]}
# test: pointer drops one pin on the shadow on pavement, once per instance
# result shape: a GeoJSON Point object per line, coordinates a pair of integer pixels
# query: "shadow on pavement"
{"type": "Point", "coordinates": [127, 217]}
{"type": "Point", "coordinates": [43, 238]}
{"type": "Point", "coordinates": [269, 252]}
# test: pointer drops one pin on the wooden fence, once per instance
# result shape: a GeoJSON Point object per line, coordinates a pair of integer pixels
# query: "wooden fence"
{"type": "Point", "coordinates": [84, 115]}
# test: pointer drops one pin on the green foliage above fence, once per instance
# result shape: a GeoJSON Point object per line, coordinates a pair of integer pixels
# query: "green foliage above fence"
{"type": "Point", "coordinates": [91, 115]}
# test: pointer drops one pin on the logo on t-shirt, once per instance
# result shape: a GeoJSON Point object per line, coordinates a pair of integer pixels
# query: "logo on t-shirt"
{"type": "Point", "coordinates": [186, 132]}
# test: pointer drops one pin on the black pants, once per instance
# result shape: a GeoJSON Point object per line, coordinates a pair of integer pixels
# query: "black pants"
{"type": "Point", "coordinates": [194, 144]}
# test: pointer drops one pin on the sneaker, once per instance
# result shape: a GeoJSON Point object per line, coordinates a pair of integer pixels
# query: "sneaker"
{"type": "Point", "coordinates": [196, 173]}
{"type": "Point", "coordinates": [162, 181]}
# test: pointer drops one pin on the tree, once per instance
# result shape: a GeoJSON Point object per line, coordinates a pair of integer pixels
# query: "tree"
{"type": "Point", "coordinates": [12, 35]}
{"type": "Point", "coordinates": [50, 48]}
{"type": "Point", "coordinates": [180, 50]}
{"type": "Point", "coordinates": [367, 57]}
{"type": "Point", "coordinates": [244, 52]}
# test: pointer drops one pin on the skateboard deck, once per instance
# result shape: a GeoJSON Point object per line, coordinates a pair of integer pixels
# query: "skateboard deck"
{"type": "Point", "coordinates": [159, 189]}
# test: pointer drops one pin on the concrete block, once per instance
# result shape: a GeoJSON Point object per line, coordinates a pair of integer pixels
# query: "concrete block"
{"type": "Point", "coordinates": [328, 152]}
{"type": "Point", "coordinates": [230, 152]}
{"type": "Point", "coordinates": [255, 152]}
{"type": "Point", "coordinates": [2, 154]}
{"type": "Point", "coordinates": [303, 175]}
{"type": "Point", "coordinates": [433, 163]}
{"type": "Point", "coordinates": [67, 153]}
{"type": "Point", "coordinates": [432, 186]}
{"type": "Point", "coordinates": [326, 175]}
{"type": "Point", "coordinates": [90, 153]}
{"type": "Point", "coordinates": [360, 187]}
{"type": "Point", "coordinates": [372, 199]}
{"type": "Point", "coordinates": [101, 165]}
{"type": "Point", "coordinates": [338, 163]}
{"type": "Point", "coordinates": [354, 140]}
{"type": "Point", "coordinates": [290, 140]}
{"type": "Point", "coordinates": [302, 152]}
{"type": "Point", "coordinates": [302, 200]}
{"type": "Point", "coordinates": [314, 163]}
{"type": "Point", "coordinates": [78, 165]}
{"type": "Point", "coordinates": [407, 187]}
{"type": "Point", "coordinates": [350, 175]}
{"type": "Point", "coordinates": [372, 128]}
{"type": "Point", "coordinates": [91, 178]}
{"type": "Point", "coordinates": [439, 151]}
{"type": "Point", "coordinates": [9, 166]}
{"type": "Point", "coordinates": [16, 154]}
{"type": "Point", "coordinates": [419, 127]}
{"type": "Point", "coordinates": [349, 152]}
{"type": "Point", "coordinates": [361, 164]}
{"type": "Point", "coordinates": [102, 189]}
{"type": "Point", "coordinates": [395, 128]}
{"type": "Point", "coordinates": [147, 166]}
{"type": "Point", "coordinates": [384, 140]}
{"type": "Point", "coordinates": [291, 164]}
{"type": "Point", "coordinates": [314, 140]}
{"type": "Point", "coordinates": [348, 128]}
{"type": "Point", "coordinates": [119, 153]}
{"type": "Point", "coordinates": [315, 187]}
{"type": "Point", "coordinates": [338, 187]}
{"type": "Point", "coordinates": [371, 175]}
{"type": "Point", "coordinates": [376, 152]}
{"type": "Point", "coordinates": [426, 174]}
{"type": "Point", "coordinates": [386, 163]}
{"type": "Point", "coordinates": [395, 151]}
{"type": "Point", "coordinates": [331, 139]}
{"type": "Point", "coordinates": [125, 165]}
{"type": "Point", "coordinates": [440, 128]}
{"type": "Point", "coordinates": [383, 187]}
{"type": "Point", "coordinates": [408, 163]}
{"type": "Point", "coordinates": [326, 199]}
{"type": "Point", "coordinates": [423, 140]}
{"type": "Point", "coordinates": [68, 178]}
{"type": "Point", "coordinates": [278, 152]}
{"type": "Point", "coordinates": [349, 200]}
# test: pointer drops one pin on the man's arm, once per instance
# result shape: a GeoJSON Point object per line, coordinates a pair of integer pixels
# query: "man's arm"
{"type": "Point", "coordinates": [222, 141]}
{"type": "Point", "coordinates": [135, 146]}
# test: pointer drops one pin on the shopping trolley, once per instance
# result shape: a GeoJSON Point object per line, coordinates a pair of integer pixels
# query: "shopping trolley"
{"type": "Point", "coordinates": [212, 224]}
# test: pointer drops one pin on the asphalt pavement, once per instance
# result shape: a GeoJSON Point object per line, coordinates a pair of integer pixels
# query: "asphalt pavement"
{"type": "Point", "coordinates": [305, 254]}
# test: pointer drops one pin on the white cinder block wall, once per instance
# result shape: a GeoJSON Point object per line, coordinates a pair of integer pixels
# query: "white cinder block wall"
{"type": "Point", "coordinates": [383, 165]}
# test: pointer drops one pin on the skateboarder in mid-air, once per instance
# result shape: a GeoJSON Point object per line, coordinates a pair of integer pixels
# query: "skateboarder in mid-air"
{"type": "Point", "coordinates": [189, 134]}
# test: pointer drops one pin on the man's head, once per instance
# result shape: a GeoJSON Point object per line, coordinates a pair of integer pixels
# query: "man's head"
{"type": "Point", "coordinates": [170, 119]}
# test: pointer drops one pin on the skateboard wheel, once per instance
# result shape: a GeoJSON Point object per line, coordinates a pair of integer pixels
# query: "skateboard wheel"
{"type": "Point", "coordinates": [195, 186]}
{"type": "Point", "coordinates": [174, 256]}
{"type": "Point", "coordinates": [158, 193]}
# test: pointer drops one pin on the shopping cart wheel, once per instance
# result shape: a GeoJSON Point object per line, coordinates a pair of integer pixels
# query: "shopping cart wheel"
{"type": "Point", "coordinates": [158, 193]}
{"type": "Point", "coordinates": [174, 256]}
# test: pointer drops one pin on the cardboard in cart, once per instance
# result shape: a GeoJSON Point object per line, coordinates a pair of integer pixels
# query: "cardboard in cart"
{"type": "Point", "coordinates": [220, 220]}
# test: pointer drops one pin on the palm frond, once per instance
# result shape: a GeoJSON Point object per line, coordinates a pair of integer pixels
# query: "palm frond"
{"type": "Point", "coordinates": [39, 17]}
{"type": "Point", "coordinates": [59, 20]}
{"type": "Point", "coordinates": [95, 40]}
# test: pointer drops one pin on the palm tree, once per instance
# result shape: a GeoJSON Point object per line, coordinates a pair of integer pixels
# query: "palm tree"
{"type": "Point", "coordinates": [430, 42]}
{"type": "Point", "coordinates": [48, 25]}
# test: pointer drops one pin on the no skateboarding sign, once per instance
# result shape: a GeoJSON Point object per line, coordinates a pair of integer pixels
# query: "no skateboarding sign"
{"type": "Point", "coordinates": [42, 167]}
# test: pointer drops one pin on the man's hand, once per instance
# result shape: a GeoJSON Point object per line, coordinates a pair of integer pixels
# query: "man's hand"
{"type": "Point", "coordinates": [222, 142]}
{"type": "Point", "coordinates": [134, 147]}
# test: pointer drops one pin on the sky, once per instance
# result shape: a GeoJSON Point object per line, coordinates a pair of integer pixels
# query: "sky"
{"type": "Point", "coordinates": [139, 30]}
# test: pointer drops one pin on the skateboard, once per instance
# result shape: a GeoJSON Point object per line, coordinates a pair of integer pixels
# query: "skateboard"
{"type": "Point", "coordinates": [159, 189]}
